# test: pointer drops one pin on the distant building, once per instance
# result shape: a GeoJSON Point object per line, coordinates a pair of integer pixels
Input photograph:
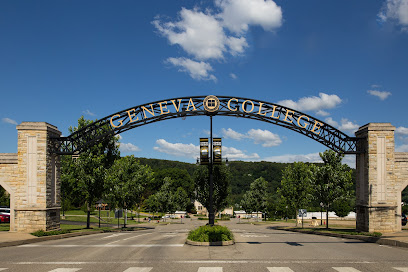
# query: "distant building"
{"type": "Point", "coordinates": [201, 210]}
{"type": "Point", "coordinates": [245, 215]}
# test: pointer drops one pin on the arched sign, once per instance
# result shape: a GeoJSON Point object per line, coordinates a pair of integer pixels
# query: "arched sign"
{"type": "Point", "coordinates": [207, 105]}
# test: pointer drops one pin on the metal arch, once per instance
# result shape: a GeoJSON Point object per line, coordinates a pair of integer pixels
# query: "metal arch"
{"type": "Point", "coordinates": [193, 106]}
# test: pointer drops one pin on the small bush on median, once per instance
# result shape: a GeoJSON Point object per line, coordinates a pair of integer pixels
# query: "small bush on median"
{"type": "Point", "coordinates": [210, 234]}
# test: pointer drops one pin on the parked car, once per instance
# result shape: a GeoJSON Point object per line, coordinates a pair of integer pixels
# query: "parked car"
{"type": "Point", "coordinates": [4, 209]}
{"type": "Point", "coordinates": [4, 218]}
{"type": "Point", "coordinates": [404, 219]}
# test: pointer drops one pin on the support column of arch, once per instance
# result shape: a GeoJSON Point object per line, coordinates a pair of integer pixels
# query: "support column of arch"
{"type": "Point", "coordinates": [37, 192]}
{"type": "Point", "coordinates": [377, 188]}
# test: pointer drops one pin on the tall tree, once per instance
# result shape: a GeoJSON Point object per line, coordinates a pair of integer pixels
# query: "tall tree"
{"type": "Point", "coordinates": [180, 199]}
{"type": "Point", "coordinates": [152, 204]}
{"type": "Point", "coordinates": [258, 193]}
{"type": "Point", "coordinates": [87, 172]}
{"type": "Point", "coordinates": [332, 180]}
{"type": "Point", "coordinates": [164, 196]}
{"type": "Point", "coordinates": [296, 186]}
{"type": "Point", "coordinates": [221, 185]}
{"type": "Point", "coordinates": [126, 181]}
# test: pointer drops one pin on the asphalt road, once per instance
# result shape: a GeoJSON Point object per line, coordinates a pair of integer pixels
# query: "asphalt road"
{"type": "Point", "coordinates": [257, 248]}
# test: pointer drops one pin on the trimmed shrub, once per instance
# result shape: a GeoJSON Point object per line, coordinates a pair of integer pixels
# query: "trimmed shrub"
{"type": "Point", "coordinates": [210, 234]}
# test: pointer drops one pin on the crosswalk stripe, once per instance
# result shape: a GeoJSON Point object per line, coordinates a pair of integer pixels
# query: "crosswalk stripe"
{"type": "Point", "coordinates": [279, 269]}
{"type": "Point", "coordinates": [210, 269]}
{"type": "Point", "coordinates": [138, 269]}
{"type": "Point", "coordinates": [403, 269]}
{"type": "Point", "coordinates": [65, 270]}
{"type": "Point", "coordinates": [346, 269]}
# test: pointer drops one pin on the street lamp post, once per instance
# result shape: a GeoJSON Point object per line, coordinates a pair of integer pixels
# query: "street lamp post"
{"type": "Point", "coordinates": [99, 207]}
{"type": "Point", "coordinates": [321, 213]}
{"type": "Point", "coordinates": [211, 210]}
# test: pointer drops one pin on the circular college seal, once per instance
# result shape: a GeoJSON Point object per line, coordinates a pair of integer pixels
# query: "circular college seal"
{"type": "Point", "coordinates": [211, 103]}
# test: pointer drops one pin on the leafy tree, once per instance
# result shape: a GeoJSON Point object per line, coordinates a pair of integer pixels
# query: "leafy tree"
{"type": "Point", "coordinates": [247, 202]}
{"type": "Point", "coordinates": [180, 199]}
{"type": "Point", "coordinates": [152, 204]}
{"type": "Point", "coordinates": [164, 196]}
{"type": "Point", "coordinates": [180, 178]}
{"type": "Point", "coordinates": [342, 207]}
{"type": "Point", "coordinates": [4, 197]}
{"type": "Point", "coordinates": [125, 182]}
{"type": "Point", "coordinates": [87, 173]}
{"type": "Point", "coordinates": [296, 186]}
{"type": "Point", "coordinates": [256, 198]}
{"type": "Point", "coordinates": [332, 180]}
{"type": "Point", "coordinates": [221, 186]}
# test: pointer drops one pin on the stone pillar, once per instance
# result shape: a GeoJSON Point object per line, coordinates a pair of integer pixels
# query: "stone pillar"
{"type": "Point", "coordinates": [376, 188]}
{"type": "Point", "coordinates": [37, 196]}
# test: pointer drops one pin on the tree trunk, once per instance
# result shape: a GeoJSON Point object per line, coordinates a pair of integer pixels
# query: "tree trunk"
{"type": "Point", "coordinates": [88, 216]}
{"type": "Point", "coordinates": [327, 217]}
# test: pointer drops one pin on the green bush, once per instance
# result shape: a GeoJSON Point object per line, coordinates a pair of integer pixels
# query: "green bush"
{"type": "Point", "coordinates": [202, 218]}
{"type": "Point", "coordinates": [210, 234]}
{"type": "Point", "coordinates": [40, 233]}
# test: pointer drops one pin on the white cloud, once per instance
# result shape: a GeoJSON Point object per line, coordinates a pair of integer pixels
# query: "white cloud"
{"type": "Point", "coordinates": [331, 122]}
{"type": "Point", "coordinates": [395, 11]}
{"type": "Point", "coordinates": [264, 137]}
{"type": "Point", "coordinates": [375, 86]}
{"type": "Point", "coordinates": [200, 35]}
{"type": "Point", "coordinates": [401, 130]}
{"type": "Point", "coordinates": [197, 70]}
{"type": "Point", "coordinates": [350, 160]}
{"type": "Point", "coordinates": [236, 45]}
{"type": "Point", "coordinates": [207, 36]}
{"type": "Point", "coordinates": [313, 103]}
{"type": "Point", "coordinates": [192, 151]}
{"type": "Point", "coordinates": [237, 15]}
{"type": "Point", "coordinates": [348, 126]}
{"type": "Point", "coordinates": [259, 136]}
{"type": "Point", "coordinates": [379, 94]}
{"type": "Point", "coordinates": [288, 158]}
{"type": "Point", "coordinates": [177, 149]}
{"type": "Point", "coordinates": [88, 112]}
{"type": "Point", "coordinates": [345, 124]}
{"type": "Point", "coordinates": [126, 148]}
{"type": "Point", "coordinates": [9, 121]}
{"type": "Point", "coordinates": [233, 76]}
{"type": "Point", "coordinates": [322, 113]}
{"type": "Point", "coordinates": [232, 134]}
{"type": "Point", "coordinates": [235, 154]}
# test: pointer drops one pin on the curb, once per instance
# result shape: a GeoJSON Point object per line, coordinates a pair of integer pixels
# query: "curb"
{"type": "Point", "coordinates": [47, 238]}
{"type": "Point", "coordinates": [219, 243]}
{"type": "Point", "coordinates": [368, 239]}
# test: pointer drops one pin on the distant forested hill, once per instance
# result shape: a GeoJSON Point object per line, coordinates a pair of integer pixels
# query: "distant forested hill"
{"type": "Point", "coordinates": [242, 173]}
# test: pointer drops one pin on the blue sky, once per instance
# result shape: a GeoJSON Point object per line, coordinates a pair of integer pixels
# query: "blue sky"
{"type": "Point", "coordinates": [344, 62]}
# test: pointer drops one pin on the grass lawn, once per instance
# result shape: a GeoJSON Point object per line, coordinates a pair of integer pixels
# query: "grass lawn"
{"type": "Point", "coordinates": [4, 226]}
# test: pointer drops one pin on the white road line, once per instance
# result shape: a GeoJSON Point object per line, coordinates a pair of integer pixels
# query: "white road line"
{"type": "Point", "coordinates": [138, 269]}
{"type": "Point", "coordinates": [113, 235]}
{"type": "Point", "coordinates": [136, 236]}
{"type": "Point", "coordinates": [346, 269]}
{"type": "Point", "coordinates": [403, 269]}
{"type": "Point", "coordinates": [106, 245]}
{"type": "Point", "coordinates": [210, 269]}
{"type": "Point", "coordinates": [279, 269]}
{"type": "Point", "coordinates": [2, 269]}
{"type": "Point", "coordinates": [65, 270]}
